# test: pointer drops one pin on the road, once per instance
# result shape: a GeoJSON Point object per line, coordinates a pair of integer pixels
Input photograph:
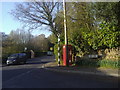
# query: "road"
{"type": "Point", "coordinates": [32, 75]}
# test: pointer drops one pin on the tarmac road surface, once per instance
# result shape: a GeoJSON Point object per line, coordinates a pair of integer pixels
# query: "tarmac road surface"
{"type": "Point", "coordinates": [32, 75]}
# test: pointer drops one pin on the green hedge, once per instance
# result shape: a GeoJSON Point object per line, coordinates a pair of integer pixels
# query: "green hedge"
{"type": "Point", "coordinates": [99, 63]}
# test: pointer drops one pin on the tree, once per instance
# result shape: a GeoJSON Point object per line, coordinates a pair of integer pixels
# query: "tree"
{"type": "Point", "coordinates": [107, 32]}
{"type": "Point", "coordinates": [79, 23]}
{"type": "Point", "coordinates": [108, 36]}
{"type": "Point", "coordinates": [40, 43]}
{"type": "Point", "coordinates": [52, 38]}
{"type": "Point", "coordinates": [35, 14]}
{"type": "Point", "coordinates": [15, 42]}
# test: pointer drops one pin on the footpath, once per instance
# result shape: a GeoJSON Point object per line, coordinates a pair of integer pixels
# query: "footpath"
{"type": "Point", "coordinates": [53, 66]}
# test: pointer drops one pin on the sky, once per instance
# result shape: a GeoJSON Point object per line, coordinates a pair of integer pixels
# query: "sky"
{"type": "Point", "coordinates": [8, 22]}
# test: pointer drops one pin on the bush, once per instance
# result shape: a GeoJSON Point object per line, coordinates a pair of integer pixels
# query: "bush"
{"type": "Point", "coordinates": [99, 63]}
{"type": "Point", "coordinates": [38, 54]}
{"type": "Point", "coordinates": [108, 63]}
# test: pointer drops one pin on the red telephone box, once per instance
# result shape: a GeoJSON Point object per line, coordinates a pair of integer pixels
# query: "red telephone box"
{"type": "Point", "coordinates": [69, 55]}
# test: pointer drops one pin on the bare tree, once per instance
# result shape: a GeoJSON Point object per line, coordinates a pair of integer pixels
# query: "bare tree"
{"type": "Point", "coordinates": [20, 36]}
{"type": "Point", "coordinates": [35, 14]}
{"type": "Point", "coordinates": [40, 43]}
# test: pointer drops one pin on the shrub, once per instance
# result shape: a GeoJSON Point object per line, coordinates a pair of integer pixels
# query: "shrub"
{"type": "Point", "coordinates": [38, 54]}
{"type": "Point", "coordinates": [99, 63]}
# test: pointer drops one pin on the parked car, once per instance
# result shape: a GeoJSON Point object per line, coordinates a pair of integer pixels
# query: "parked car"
{"type": "Point", "coordinates": [17, 58]}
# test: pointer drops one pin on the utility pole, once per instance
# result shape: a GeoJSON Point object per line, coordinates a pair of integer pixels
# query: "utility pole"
{"type": "Point", "coordinates": [65, 31]}
{"type": "Point", "coordinates": [65, 24]}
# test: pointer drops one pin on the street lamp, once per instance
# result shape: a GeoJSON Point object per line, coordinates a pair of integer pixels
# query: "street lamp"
{"type": "Point", "coordinates": [65, 31]}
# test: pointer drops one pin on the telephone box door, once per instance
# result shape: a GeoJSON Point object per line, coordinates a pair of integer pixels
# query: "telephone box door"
{"type": "Point", "coordinates": [69, 55]}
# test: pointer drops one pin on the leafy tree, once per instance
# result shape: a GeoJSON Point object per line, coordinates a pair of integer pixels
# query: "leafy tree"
{"type": "Point", "coordinates": [107, 11]}
{"type": "Point", "coordinates": [79, 23]}
{"type": "Point", "coordinates": [88, 27]}
{"type": "Point", "coordinates": [106, 35]}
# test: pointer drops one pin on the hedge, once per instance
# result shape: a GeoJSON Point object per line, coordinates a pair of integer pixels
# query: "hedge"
{"type": "Point", "coordinates": [99, 63]}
